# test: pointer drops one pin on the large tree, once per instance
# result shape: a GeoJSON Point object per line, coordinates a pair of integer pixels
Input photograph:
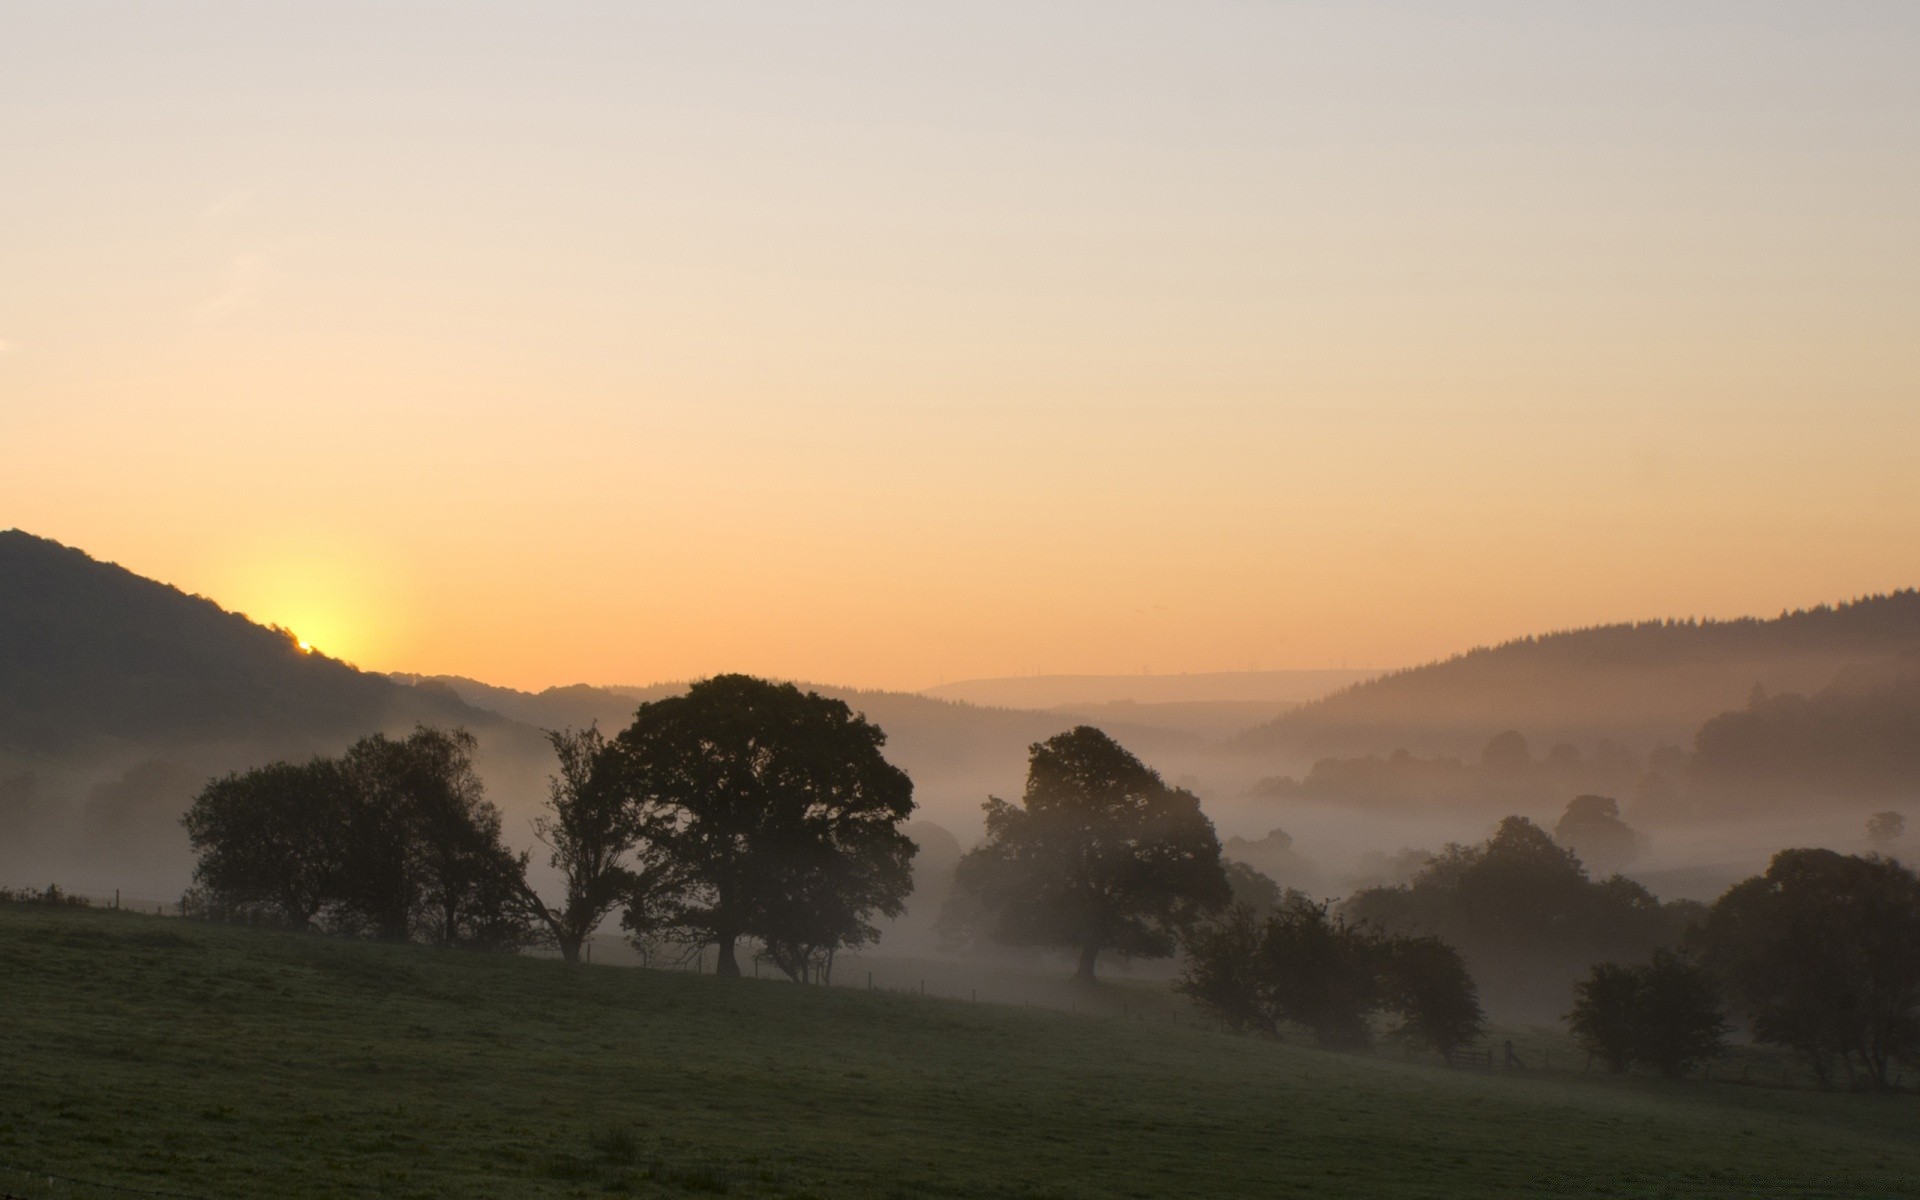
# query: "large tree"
{"type": "Point", "coordinates": [1100, 854]}
{"type": "Point", "coordinates": [1822, 954]}
{"type": "Point", "coordinates": [775, 817]}
{"type": "Point", "coordinates": [272, 838]}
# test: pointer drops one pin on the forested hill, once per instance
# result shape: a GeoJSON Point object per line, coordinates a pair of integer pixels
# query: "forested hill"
{"type": "Point", "coordinates": [95, 660]}
{"type": "Point", "coordinates": [1643, 683]}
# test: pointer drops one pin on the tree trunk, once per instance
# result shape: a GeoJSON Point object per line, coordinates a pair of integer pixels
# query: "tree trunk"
{"type": "Point", "coordinates": [726, 964]}
{"type": "Point", "coordinates": [569, 946]}
{"type": "Point", "coordinates": [1088, 954]}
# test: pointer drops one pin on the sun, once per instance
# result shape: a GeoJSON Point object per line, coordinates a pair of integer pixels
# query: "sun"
{"type": "Point", "coordinates": [306, 647]}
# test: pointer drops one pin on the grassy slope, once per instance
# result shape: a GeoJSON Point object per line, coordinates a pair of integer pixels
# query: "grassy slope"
{"type": "Point", "coordinates": [229, 1063]}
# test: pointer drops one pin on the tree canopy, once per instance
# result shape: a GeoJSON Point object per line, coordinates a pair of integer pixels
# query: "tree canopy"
{"type": "Point", "coordinates": [774, 816]}
{"type": "Point", "coordinates": [1099, 855]}
{"type": "Point", "coordinates": [1822, 954]}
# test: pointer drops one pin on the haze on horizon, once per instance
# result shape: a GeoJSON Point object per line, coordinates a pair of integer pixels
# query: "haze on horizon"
{"type": "Point", "coordinates": [886, 346]}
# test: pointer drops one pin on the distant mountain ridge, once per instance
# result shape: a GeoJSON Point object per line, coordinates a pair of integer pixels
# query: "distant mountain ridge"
{"type": "Point", "coordinates": [1198, 687]}
{"type": "Point", "coordinates": [1642, 684]}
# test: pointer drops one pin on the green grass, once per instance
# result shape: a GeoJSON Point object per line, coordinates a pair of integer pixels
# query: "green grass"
{"type": "Point", "coordinates": [232, 1063]}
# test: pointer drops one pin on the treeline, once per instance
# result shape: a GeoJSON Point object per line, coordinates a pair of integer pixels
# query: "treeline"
{"type": "Point", "coordinates": [1524, 911]}
{"type": "Point", "coordinates": [1820, 955]}
{"type": "Point", "coordinates": [740, 811]}
{"type": "Point", "coordinates": [1641, 683]}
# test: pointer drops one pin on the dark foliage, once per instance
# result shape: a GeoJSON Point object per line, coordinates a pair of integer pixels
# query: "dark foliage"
{"type": "Point", "coordinates": [1100, 855]}
{"type": "Point", "coordinates": [1822, 954]}
{"type": "Point", "coordinates": [1302, 964]}
{"type": "Point", "coordinates": [1524, 912]}
{"type": "Point", "coordinates": [274, 838]}
{"type": "Point", "coordinates": [774, 816]}
{"type": "Point", "coordinates": [393, 839]}
{"type": "Point", "coordinates": [1665, 1014]}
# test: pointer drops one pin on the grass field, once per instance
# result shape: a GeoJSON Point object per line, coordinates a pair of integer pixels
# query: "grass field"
{"type": "Point", "coordinates": [218, 1062]}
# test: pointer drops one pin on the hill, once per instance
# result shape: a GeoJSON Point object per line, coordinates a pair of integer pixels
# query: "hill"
{"type": "Point", "coordinates": [1199, 687]}
{"type": "Point", "coordinates": [1639, 684]}
{"type": "Point", "coordinates": [120, 696]}
{"type": "Point", "coordinates": [230, 1064]}
{"type": "Point", "coordinates": [95, 659]}
{"type": "Point", "coordinates": [1857, 739]}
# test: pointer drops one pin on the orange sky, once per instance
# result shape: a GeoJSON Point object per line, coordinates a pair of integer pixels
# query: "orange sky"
{"type": "Point", "coordinates": [888, 344]}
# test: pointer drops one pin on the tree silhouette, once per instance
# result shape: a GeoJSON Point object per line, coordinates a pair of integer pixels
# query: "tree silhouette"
{"type": "Point", "coordinates": [1302, 963]}
{"type": "Point", "coordinates": [590, 827]}
{"type": "Point", "coordinates": [393, 838]}
{"type": "Point", "coordinates": [774, 815]}
{"type": "Point", "coordinates": [1885, 828]}
{"type": "Point", "coordinates": [1822, 953]}
{"type": "Point", "coordinates": [1100, 854]}
{"type": "Point", "coordinates": [1665, 1014]}
{"type": "Point", "coordinates": [272, 837]}
{"type": "Point", "coordinates": [1591, 827]}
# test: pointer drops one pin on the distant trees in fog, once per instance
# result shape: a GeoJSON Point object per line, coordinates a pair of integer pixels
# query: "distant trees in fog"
{"type": "Point", "coordinates": [1303, 964]}
{"type": "Point", "coordinates": [1505, 775]}
{"type": "Point", "coordinates": [1885, 828]}
{"type": "Point", "coordinates": [1525, 913]}
{"type": "Point", "coordinates": [1591, 827]}
{"type": "Point", "coordinates": [1100, 855]}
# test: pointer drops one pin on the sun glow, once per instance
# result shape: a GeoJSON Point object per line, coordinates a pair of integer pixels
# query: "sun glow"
{"type": "Point", "coordinates": [306, 647]}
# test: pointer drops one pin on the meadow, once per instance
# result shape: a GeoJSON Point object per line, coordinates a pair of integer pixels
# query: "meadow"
{"type": "Point", "coordinates": [221, 1062]}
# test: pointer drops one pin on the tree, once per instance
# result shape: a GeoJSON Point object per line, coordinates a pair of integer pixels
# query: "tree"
{"type": "Point", "coordinates": [1426, 982]}
{"type": "Point", "coordinates": [1324, 974]}
{"type": "Point", "coordinates": [775, 817]}
{"type": "Point", "coordinates": [590, 827]}
{"type": "Point", "coordinates": [393, 838]}
{"type": "Point", "coordinates": [1591, 827]}
{"type": "Point", "coordinates": [1885, 828]}
{"type": "Point", "coordinates": [1822, 955]}
{"type": "Point", "coordinates": [271, 837]}
{"type": "Point", "coordinates": [1603, 1017]}
{"type": "Point", "coordinates": [1301, 963]}
{"type": "Point", "coordinates": [1100, 855]}
{"type": "Point", "coordinates": [1682, 1021]}
{"type": "Point", "coordinates": [423, 847]}
{"type": "Point", "coordinates": [1664, 1014]}
{"type": "Point", "coordinates": [1525, 914]}
{"type": "Point", "coordinates": [1226, 970]}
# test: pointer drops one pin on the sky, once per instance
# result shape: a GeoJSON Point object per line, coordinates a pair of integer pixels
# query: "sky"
{"type": "Point", "coordinates": [887, 345]}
